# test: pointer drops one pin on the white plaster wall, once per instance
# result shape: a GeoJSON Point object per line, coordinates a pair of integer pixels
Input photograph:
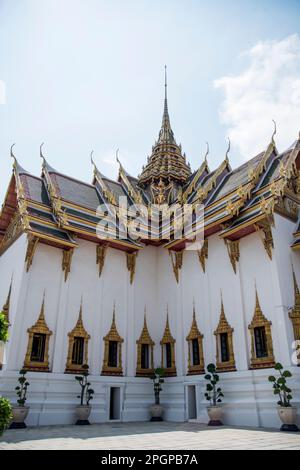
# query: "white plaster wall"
{"type": "Point", "coordinates": [248, 397]}
{"type": "Point", "coordinates": [285, 261]}
{"type": "Point", "coordinates": [12, 267]}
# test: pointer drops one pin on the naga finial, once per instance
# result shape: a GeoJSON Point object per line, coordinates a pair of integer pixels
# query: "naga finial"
{"type": "Point", "coordinates": [274, 133]}
{"type": "Point", "coordinates": [91, 157]}
{"type": "Point", "coordinates": [41, 151]}
{"type": "Point", "coordinates": [207, 152]}
{"type": "Point", "coordinates": [228, 150]}
{"type": "Point", "coordinates": [11, 151]}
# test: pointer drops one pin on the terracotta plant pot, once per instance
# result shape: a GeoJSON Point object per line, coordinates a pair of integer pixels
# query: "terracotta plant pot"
{"type": "Point", "coordinates": [288, 416]}
{"type": "Point", "coordinates": [82, 414]}
{"type": "Point", "coordinates": [215, 415]}
{"type": "Point", "coordinates": [156, 412]}
{"type": "Point", "coordinates": [19, 415]}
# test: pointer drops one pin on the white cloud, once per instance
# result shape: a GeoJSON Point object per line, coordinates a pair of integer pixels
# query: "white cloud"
{"type": "Point", "coordinates": [2, 92]}
{"type": "Point", "coordinates": [269, 88]}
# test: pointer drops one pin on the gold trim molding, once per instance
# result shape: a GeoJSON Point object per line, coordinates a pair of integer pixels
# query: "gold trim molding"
{"type": "Point", "coordinates": [168, 339]}
{"type": "Point", "coordinates": [224, 328]}
{"type": "Point", "coordinates": [259, 320]}
{"type": "Point", "coordinates": [6, 306]}
{"type": "Point", "coordinates": [78, 332]}
{"type": "Point", "coordinates": [40, 327]}
{"type": "Point", "coordinates": [144, 338]}
{"type": "Point", "coordinates": [195, 334]}
{"type": "Point", "coordinates": [294, 314]}
{"type": "Point", "coordinates": [112, 335]}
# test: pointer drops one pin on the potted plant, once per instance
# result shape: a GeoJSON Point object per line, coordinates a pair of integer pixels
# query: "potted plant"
{"type": "Point", "coordinates": [83, 410]}
{"type": "Point", "coordinates": [287, 413]}
{"type": "Point", "coordinates": [5, 414]}
{"type": "Point", "coordinates": [156, 410]}
{"type": "Point", "coordinates": [214, 396]}
{"type": "Point", "coordinates": [20, 411]}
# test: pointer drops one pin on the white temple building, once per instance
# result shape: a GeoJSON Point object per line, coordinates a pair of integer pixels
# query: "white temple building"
{"type": "Point", "coordinates": [125, 305]}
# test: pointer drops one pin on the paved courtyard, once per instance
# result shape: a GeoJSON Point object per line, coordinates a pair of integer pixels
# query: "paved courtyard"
{"type": "Point", "coordinates": [173, 436]}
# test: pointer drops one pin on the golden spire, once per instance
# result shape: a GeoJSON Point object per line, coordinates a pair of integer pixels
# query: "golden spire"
{"type": "Point", "coordinates": [166, 135]}
{"type": "Point", "coordinates": [113, 334]}
{"type": "Point", "coordinates": [6, 306]}
{"type": "Point", "coordinates": [258, 313]}
{"type": "Point", "coordinates": [296, 290]}
{"type": "Point", "coordinates": [145, 337]}
{"type": "Point", "coordinates": [167, 337]}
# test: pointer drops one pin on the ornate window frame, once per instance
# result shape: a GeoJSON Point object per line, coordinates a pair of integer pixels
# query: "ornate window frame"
{"type": "Point", "coordinates": [294, 314]}
{"type": "Point", "coordinates": [144, 338]}
{"type": "Point", "coordinates": [78, 332]}
{"type": "Point", "coordinates": [224, 327]}
{"type": "Point", "coordinates": [259, 320]}
{"type": "Point", "coordinates": [40, 327]}
{"type": "Point", "coordinates": [112, 335]}
{"type": "Point", "coordinates": [195, 334]}
{"type": "Point", "coordinates": [168, 339]}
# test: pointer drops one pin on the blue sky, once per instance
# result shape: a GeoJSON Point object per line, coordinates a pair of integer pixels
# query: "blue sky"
{"type": "Point", "coordinates": [88, 74]}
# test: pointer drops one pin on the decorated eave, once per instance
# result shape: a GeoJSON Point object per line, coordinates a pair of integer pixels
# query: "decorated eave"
{"type": "Point", "coordinates": [54, 209]}
{"type": "Point", "coordinates": [235, 201]}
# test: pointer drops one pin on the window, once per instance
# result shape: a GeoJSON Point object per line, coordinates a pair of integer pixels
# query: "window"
{"type": "Point", "coordinates": [145, 356]}
{"type": "Point", "coordinates": [168, 355]}
{"type": "Point", "coordinates": [77, 353]}
{"type": "Point", "coordinates": [38, 347]}
{"type": "Point", "coordinates": [224, 347]}
{"type": "Point", "coordinates": [113, 354]}
{"type": "Point", "coordinates": [260, 342]}
{"type": "Point", "coordinates": [195, 352]}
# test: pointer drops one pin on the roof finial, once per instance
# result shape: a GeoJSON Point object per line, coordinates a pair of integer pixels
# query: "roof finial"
{"type": "Point", "coordinates": [166, 83]}
{"type": "Point", "coordinates": [274, 133]}
{"type": "Point", "coordinates": [11, 151]}
{"type": "Point", "coordinates": [228, 150]}
{"type": "Point", "coordinates": [41, 152]}
{"type": "Point", "coordinates": [91, 157]}
{"type": "Point", "coordinates": [117, 156]}
{"type": "Point", "coordinates": [207, 152]}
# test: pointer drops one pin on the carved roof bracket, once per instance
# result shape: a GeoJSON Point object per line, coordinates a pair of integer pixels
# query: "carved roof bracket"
{"type": "Point", "coordinates": [233, 248]}
{"type": "Point", "coordinates": [66, 262]}
{"type": "Point", "coordinates": [131, 263]}
{"type": "Point", "coordinates": [100, 256]}
{"type": "Point", "coordinates": [264, 227]}
{"type": "Point", "coordinates": [177, 262]}
{"type": "Point", "coordinates": [203, 254]}
{"type": "Point", "coordinates": [32, 242]}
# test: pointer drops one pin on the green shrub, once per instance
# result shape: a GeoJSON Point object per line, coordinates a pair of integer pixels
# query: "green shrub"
{"type": "Point", "coordinates": [3, 327]}
{"type": "Point", "coordinates": [22, 388]}
{"type": "Point", "coordinates": [280, 387]}
{"type": "Point", "coordinates": [5, 414]}
{"type": "Point", "coordinates": [87, 393]}
{"type": "Point", "coordinates": [213, 393]}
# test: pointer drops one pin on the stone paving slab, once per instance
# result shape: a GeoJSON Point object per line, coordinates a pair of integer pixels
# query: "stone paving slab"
{"type": "Point", "coordinates": [148, 436]}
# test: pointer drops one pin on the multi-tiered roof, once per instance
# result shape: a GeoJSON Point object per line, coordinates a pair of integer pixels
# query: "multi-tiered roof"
{"type": "Point", "coordinates": [58, 209]}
